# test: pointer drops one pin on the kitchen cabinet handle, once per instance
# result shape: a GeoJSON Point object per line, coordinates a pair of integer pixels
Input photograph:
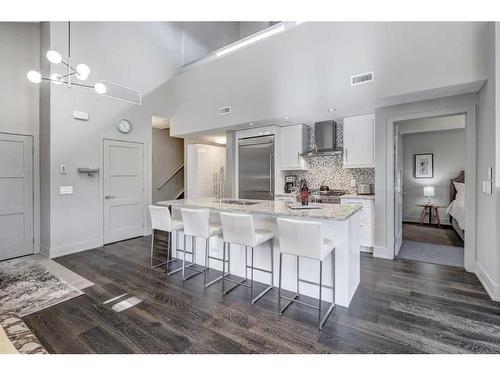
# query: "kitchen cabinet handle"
{"type": "Point", "coordinates": [345, 154]}
{"type": "Point", "coordinates": [271, 175]}
{"type": "Point", "coordinates": [107, 196]}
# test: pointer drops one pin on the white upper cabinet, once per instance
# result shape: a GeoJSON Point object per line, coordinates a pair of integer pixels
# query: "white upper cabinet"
{"type": "Point", "coordinates": [294, 141]}
{"type": "Point", "coordinates": [359, 141]}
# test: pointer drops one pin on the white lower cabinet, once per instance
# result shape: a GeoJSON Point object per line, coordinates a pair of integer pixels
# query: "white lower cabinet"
{"type": "Point", "coordinates": [366, 222]}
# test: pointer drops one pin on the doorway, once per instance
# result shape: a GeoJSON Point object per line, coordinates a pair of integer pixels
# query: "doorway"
{"type": "Point", "coordinates": [429, 162]}
{"type": "Point", "coordinates": [123, 186]}
{"type": "Point", "coordinates": [16, 196]}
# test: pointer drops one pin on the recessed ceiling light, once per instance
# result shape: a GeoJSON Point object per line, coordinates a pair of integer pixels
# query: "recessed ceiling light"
{"type": "Point", "coordinates": [331, 109]}
{"type": "Point", "coordinates": [287, 118]}
{"type": "Point", "coordinates": [250, 123]}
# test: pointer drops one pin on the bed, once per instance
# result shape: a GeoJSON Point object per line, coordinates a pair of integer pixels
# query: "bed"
{"type": "Point", "coordinates": [456, 209]}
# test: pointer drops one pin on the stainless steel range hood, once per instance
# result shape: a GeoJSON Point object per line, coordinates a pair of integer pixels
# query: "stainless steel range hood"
{"type": "Point", "coordinates": [325, 139]}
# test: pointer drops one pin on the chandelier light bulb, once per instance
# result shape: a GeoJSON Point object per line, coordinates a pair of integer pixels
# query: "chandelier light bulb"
{"type": "Point", "coordinates": [56, 78]}
{"type": "Point", "coordinates": [82, 72]}
{"type": "Point", "coordinates": [54, 57]}
{"type": "Point", "coordinates": [100, 88]}
{"type": "Point", "coordinates": [34, 76]}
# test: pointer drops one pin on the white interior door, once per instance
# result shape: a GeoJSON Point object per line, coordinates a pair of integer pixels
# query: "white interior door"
{"type": "Point", "coordinates": [16, 195]}
{"type": "Point", "coordinates": [123, 190]}
{"type": "Point", "coordinates": [398, 191]}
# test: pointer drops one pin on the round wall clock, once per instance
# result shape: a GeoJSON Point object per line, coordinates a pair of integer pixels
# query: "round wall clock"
{"type": "Point", "coordinates": [124, 126]}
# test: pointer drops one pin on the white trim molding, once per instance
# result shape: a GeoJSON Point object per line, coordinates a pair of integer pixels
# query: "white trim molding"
{"type": "Point", "coordinates": [405, 113]}
{"type": "Point", "coordinates": [490, 286]}
{"type": "Point", "coordinates": [74, 248]}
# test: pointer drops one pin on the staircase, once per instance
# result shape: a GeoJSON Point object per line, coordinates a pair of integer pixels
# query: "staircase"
{"type": "Point", "coordinates": [179, 194]}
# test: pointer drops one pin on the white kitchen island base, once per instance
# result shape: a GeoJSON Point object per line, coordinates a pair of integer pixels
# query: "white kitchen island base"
{"type": "Point", "coordinates": [344, 232]}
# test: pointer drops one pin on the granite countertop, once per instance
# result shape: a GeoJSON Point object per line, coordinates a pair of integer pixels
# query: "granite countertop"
{"type": "Point", "coordinates": [338, 212]}
{"type": "Point", "coordinates": [358, 196]}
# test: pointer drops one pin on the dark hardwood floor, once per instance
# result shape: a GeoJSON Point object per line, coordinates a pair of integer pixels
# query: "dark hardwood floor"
{"type": "Point", "coordinates": [399, 307]}
{"type": "Point", "coordinates": [445, 235]}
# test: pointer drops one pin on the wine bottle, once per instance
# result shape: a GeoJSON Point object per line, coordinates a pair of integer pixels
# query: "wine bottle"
{"type": "Point", "coordinates": [304, 193]}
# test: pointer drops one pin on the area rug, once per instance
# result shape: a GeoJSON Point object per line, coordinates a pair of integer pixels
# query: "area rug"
{"type": "Point", "coordinates": [27, 285]}
{"type": "Point", "coordinates": [431, 253]}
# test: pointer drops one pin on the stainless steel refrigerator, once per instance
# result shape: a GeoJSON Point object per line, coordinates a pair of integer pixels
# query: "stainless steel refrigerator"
{"type": "Point", "coordinates": [256, 167]}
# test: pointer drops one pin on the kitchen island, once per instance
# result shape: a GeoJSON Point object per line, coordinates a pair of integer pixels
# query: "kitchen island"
{"type": "Point", "coordinates": [340, 223]}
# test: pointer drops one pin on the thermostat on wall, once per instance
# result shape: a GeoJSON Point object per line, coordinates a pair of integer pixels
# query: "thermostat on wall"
{"type": "Point", "coordinates": [79, 115]}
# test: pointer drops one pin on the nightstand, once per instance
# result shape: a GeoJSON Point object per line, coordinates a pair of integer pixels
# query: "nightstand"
{"type": "Point", "coordinates": [428, 208]}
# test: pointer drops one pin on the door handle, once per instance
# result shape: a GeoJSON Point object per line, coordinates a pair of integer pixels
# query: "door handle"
{"type": "Point", "coordinates": [107, 196]}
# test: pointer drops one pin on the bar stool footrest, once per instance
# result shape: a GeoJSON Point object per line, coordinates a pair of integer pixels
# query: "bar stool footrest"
{"type": "Point", "coordinates": [270, 287]}
{"type": "Point", "coordinates": [294, 299]}
{"type": "Point", "coordinates": [195, 270]}
{"type": "Point", "coordinates": [236, 282]}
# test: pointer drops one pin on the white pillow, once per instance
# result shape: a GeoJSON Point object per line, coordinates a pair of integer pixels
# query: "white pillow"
{"type": "Point", "coordinates": [460, 187]}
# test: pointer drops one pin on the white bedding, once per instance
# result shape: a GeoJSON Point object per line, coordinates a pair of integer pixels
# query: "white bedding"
{"type": "Point", "coordinates": [457, 210]}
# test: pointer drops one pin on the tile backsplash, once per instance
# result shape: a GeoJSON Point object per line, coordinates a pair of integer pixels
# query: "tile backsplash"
{"type": "Point", "coordinates": [329, 168]}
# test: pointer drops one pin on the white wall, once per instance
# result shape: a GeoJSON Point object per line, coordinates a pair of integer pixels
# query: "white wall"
{"type": "Point", "coordinates": [200, 38]}
{"type": "Point", "coordinates": [45, 184]}
{"type": "Point", "coordinates": [432, 124]}
{"type": "Point", "coordinates": [305, 70]}
{"type": "Point", "coordinates": [496, 181]}
{"type": "Point", "coordinates": [19, 98]}
{"type": "Point", "coordinates": [448, 147]}
{"type": "Point", "coordinates": [20, 43]}
{"type": "Point", "coordinates": [487, 253]}
{"type": "Point", "coordinates": [141, 55]}
{"type": "Point", "coordinates": [251, 27]}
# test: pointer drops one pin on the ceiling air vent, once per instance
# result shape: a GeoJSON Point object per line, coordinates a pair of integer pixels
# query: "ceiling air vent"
{"type": "Point", "coordinates": [359, 79]}
{"type": "Point", "coordinates": [224, 110]}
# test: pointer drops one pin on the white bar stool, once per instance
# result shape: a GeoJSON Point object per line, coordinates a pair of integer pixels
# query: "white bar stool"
{"type": "Point", "coordinates": [197, 224]}
{"type": "Point", "coordinates": [305, 239]}
{"type": "Point", "coordinates": [162, 220]}
{"type": "Point", "coordinates": [240, 229]}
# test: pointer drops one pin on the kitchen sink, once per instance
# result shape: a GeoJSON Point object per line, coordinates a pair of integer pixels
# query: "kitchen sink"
{"type": "Point", "coordinates": [238, 202]}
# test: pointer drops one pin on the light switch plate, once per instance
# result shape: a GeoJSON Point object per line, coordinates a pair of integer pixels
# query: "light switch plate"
{"type": "Point", "coordinates": [80, 115]}
{"type": "Point", "coordinates": [63, 169]}
{"type": "Point", "coordinates": [65, 190]}
{"type": "Point", "coordinates": [489, 187]}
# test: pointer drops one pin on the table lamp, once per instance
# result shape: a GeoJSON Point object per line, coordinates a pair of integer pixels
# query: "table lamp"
{"type": "Point", "coordinates": [429, 192]}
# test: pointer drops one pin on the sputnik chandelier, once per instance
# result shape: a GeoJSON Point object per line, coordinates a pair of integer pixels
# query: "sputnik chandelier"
{"type": "Point", "coordinates": [81, 73]}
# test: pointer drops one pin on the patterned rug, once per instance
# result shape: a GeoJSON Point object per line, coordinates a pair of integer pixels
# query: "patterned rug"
{"type": "Point", "coordinates": [27, 285]}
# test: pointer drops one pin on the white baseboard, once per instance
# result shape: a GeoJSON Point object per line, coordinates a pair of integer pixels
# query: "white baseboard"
{"type": "Point", "coordinates": [491, 287]}
{"type": "Point", "coordinates": [366, 249]}
{"type": "Point", "coordinates": [411, 219]}
{"type": "Point", "coordinates": [74, 248]}
{"type": "Point", "coordinates": [45, 251]}
{"type": "Point", "coordinates": [382, 252]}
{"type": "Point", "coordinates": [415, 219]}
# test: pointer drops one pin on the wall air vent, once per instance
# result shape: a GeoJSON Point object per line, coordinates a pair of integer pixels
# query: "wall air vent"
{"type": "Point", "coordinates": [224, 110]}
{"type": "Point", "coordinates": [360, 79]}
